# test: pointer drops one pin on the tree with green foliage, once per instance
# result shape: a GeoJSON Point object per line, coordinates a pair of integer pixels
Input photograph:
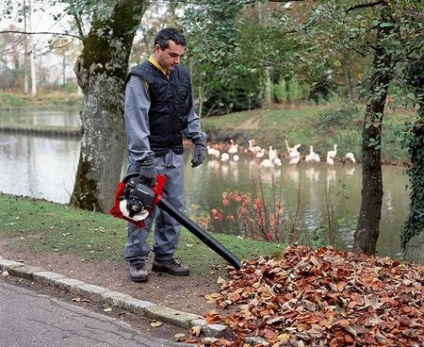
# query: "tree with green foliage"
{"type": "Point", "coordinates": [397, 48]}
{"type": "Point", "coordinates": [368, 227]}
{"type": "Point", "coordinates": [101, 70]}
{"type": "Point", "coordinates": [325, 33]}
{"type": "Point", "coordinates": [223, 77]}
{"type": "Point", "coordinates": [413, 231]}
{"type": "Point", "coordinates": [388, 33]}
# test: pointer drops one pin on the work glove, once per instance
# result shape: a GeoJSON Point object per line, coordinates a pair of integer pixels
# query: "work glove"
{"type": "Point", "coordinates": [199, 150]}
{"type": "Point", "coordinates": [148, 172]}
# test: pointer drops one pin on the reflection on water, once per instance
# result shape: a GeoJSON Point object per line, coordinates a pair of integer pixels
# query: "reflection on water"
{"type": "Point", "coordinates": [45, 168]}
{"type": "Point", "coordinates": [316, 198]}
{"type": "Point", "coordinates": [39, 167]}
{"type": "Point", "coordinates": [63, 117]}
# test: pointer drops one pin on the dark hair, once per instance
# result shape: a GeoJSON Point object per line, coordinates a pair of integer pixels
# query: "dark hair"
{"type": "Point", "coordinates": [169, 34]}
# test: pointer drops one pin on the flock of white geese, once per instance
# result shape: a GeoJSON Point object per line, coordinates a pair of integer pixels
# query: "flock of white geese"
{"type": "Point", "coordinates": [272, 157]}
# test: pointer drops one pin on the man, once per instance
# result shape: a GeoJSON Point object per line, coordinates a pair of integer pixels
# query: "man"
{"type": "Point", "coordinates": [159, 112]}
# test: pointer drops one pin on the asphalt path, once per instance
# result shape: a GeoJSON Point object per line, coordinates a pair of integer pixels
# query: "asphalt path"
{"type": "Point", "coordinates": [29, 319]}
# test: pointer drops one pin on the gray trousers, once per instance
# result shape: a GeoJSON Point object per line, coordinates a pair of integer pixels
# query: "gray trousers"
{"type": "Point", "coordinates": [167, 230]}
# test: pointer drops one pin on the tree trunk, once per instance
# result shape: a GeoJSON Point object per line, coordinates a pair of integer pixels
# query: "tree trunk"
{"type": "Point", "coordinates": [101, 70]}
{"type": "Point", "coordinates": [414, 248]}
{"type": "Point", "coordinates": [368, 228]}
{"type": "Point", "coordinates": [275, 77]}
{"type": "Point", "coordinates": [413, 231]}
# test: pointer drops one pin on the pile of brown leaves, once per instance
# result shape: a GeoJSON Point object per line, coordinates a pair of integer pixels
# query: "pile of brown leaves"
{"type": "Point", "coordinates": [320, 297]}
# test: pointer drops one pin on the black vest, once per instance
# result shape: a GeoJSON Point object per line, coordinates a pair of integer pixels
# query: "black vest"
{"type": "Point", "coordinates": [171, 100]}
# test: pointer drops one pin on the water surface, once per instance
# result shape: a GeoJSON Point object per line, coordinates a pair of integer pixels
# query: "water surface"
{"type": "Point", "coordinates": [315, 198]}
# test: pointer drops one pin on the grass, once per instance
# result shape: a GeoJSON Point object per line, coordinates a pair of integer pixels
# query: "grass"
{"type": "Point", "coordinates": [97, 236]}
{"type": "Point", "coordinates": [42, 100]}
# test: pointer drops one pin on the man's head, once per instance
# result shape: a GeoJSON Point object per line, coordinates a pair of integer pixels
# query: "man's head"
{"type": "Point", "coordinates": [169, 47]}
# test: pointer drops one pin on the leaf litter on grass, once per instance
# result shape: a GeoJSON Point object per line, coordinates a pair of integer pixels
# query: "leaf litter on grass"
{"type": "Point", "coordinates": [323, 297]}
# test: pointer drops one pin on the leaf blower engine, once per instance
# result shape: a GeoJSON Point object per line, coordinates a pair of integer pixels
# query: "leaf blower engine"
{"type": "Point", "coordinates": [137, 200]}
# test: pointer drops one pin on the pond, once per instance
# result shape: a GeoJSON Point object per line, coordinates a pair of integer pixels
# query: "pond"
{"type": "Point", "coordinates": [313, 197]}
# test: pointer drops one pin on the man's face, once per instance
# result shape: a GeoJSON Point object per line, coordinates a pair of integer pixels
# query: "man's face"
{"type": "Point", "coordinates": [170, 57]}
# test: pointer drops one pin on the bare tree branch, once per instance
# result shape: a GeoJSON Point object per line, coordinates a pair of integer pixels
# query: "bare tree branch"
{"type": "Point", "coordinates": [79, 26]}
{"type": "Point", "coordinates": [39, 33]}
{"type": "Point", "coordinates": [370, 4]}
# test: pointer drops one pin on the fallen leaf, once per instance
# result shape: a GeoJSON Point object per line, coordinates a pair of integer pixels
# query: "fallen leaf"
{"type": "Point", "coordinates": [327, 296]}
{"type": "Point", "coordinates": [196, 330]}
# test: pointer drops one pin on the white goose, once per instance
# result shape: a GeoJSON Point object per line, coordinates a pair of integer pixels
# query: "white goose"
{"type": "Point", "coordinates": [272, 153]}
{"type": "Point", "coordinates": [278, 162]}
{"type": "Point", "coordinates": [349, 157]}
{"type": "Point", "coordinates": [252, 147]}
{"type": "Point", "coordinates": [331, 155]}
{"type": "Point", "coordinates": [330, 161]}
{"type": "Point", "coordinates": [294, 160]}
{"type": "Point", "coordinates": [233, 149]}
{"type": "Point", "coordinates": [213, 152]}
{"type": "Point", "coordinates": [225, 157]}
{"type": "Point", "coordinates": [266, 163]}
{"type": "Point", "coordinates": [292, 151]}
{"type": "Point", "coordinates": [312, 156]}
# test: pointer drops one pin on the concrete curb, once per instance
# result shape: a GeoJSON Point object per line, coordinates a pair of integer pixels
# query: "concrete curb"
{"type": "Point", "coordinates": [109, 297]}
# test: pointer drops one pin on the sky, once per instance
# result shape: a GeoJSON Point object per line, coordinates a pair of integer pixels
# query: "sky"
{"type": "Point", "coordinates": [41, 15]}
{"type": "Point", "coordinates": [42, 21]}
